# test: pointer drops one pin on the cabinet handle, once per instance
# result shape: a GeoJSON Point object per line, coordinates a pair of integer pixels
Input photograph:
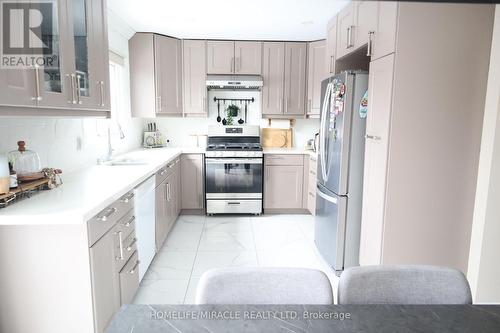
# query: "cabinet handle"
{"type": "Point", "coordinates": [37, 97]}
{"type": "Point", "coordinates": [162, 172]}
{"type": "Point", "coordinates": [280, 102]}
{"type": "Point", "coordinates": [309, 105]}
{"type": "Point", "coordinates": [78, 87]}
{"type": "Point", "coordinates": [232, 65]}
{"type": "Point", "coordinates": [107, 214]}
{"type": "Point", "coordinates": [120, 244]}
{"type": "Point", "coordinates": [168, 192]}
{"type": "Point", "coordinates": [369, 47]}
{"type": "Point", "coordinates": [131, 245]}
{"type": "Point", "coordinates": [101, 89]}
{"type": "Point", "coordinates": [311, 194]}
{"type": "Point", "coordinates": [349, 36]}
{"type": "Point", "coordinates": [204, 104]}
{"type": "Point", "coordinates": [331, 64]}
{"type": "Point", "coordinates": [127, 197]}
{"type": "Point", "coordinates": [373, 137]}
{"type": "Point", "coordinates": [238, 64]}
{"type": "Point", "coordinates": [129, 222]}
{"type": "Point", "coordinates": [286, 105]}
{"type": "Point", "coordinates": [72, 82]}
{"type": "Point", "coordinates": [158, 100]}
{"type": "Point", "coordinates": [133, 270]}
{"type": "Point", "coordinates": [234, 203]}
{"type": "Point", "coordinates": [312, 172]}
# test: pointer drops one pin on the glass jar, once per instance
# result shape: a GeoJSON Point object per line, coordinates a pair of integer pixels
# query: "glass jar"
{"type": "Point", "coordinates": [24, 162]}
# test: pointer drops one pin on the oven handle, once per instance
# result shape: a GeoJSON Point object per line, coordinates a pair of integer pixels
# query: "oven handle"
{"type": "Point", "coordinates": [233, 160]}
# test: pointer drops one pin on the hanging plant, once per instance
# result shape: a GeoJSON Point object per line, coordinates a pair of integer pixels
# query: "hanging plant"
{"type": "Point", "coordinates": [231, 111]}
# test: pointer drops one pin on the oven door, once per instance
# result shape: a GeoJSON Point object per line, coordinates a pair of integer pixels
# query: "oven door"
{"type": "Point", "coordinates": [239, 178]}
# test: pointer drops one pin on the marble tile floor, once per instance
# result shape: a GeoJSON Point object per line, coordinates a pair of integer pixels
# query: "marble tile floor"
{"type": "Point", "coordinates": [199, 243]}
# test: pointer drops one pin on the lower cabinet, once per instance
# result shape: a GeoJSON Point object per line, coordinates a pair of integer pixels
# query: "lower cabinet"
{"type": "Point", "coordinates": [311, 186]}
{"type": "Point", "coordinates": [284, 181]}
{"type": "Point", "coordinates": [129, 279]}
{"type": "Point", "coordinates": [167, 200]}
{"type": "Point", "coordinates": [192, 181]}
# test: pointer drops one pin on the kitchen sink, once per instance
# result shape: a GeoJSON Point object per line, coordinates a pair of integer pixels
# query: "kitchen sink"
{"type": "Point", "coordinates": [125, 161]}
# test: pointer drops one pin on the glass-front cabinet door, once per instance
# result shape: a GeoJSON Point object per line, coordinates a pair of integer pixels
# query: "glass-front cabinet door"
{"type": "Point", "coordinates": [51, 85]}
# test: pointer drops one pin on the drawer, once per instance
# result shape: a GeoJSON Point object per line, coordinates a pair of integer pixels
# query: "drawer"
{"type": "Point", "coordinates": [104, 221]}
{"type": "Point", "coordinates": [311, 202]}
{"type": "Point", "coordinates": [166, 170]}
{"type": "Point", "coordinates": [129, 279]}
{"type": "Point", "coordinates": [283, 159]}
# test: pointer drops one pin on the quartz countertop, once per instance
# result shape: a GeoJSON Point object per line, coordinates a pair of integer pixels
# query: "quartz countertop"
{"type": "Point", "coordinates": [306, 318]}
{"type": "Point", "coordinates": [85, 193]}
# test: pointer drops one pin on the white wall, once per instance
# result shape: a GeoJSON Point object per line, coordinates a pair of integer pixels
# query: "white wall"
{"type": "Point", "coordinates": [72, 144]}
{"type": "Point", "coordinates": [180, 130]}
{"type": "Point", "coordinates": [484, 265]}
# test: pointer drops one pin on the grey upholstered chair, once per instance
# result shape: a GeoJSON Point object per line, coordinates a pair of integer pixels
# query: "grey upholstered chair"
{"type": "Point", "coordinates": [405, 284]}
{"type": "Point", "coordinates": [264, 286]}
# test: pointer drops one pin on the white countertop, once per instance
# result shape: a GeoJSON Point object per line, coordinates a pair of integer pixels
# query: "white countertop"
{"type": "Point", "coordinates": [85, 193]}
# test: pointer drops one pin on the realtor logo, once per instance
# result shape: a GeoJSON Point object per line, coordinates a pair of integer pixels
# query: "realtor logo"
{"type": "Point", "coordinates": [27, 33]}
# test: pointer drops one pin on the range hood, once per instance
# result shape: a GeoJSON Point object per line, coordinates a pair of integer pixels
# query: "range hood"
{"type": "Point", "coordinates": [234, 82]}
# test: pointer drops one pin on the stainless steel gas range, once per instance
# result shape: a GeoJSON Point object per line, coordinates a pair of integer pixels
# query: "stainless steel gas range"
{"type": "Point", "coordinates": [234, 170]}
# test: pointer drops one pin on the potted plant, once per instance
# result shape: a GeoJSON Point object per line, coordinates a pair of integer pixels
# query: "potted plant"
{"type": "Point", "coordinates": [231, 112]}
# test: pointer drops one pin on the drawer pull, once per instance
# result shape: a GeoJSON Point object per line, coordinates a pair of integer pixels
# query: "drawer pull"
{"type": "Point", "coordinates": [162, 172]}
{"type": "Point", "coordinates": [129, 222]}
{"type": "Point", "coordinates": [120, 244]}
{"type": "Point", "coordinates": [130, 246]}
{"type": "Point", "coordinates": [311, 194]}
{"type": "Point", "coordinates": [107, 214]}
{"type": "Point", "coordinates": [127, 198]}
{"type": "Point", "coordinates": [134, 269]}
{"type": "Point", "coordinates": [312, 172]}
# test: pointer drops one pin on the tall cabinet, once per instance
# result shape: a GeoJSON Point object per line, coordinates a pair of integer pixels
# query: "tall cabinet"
{"type": "Point", "coordinates": [284, 73]}
{"type": "Point", "coordinates": [425, 110]}
{"type": "Point", "coordinates": [317, 71]}
{"type": "Point", "coordinates": [77, 83]}
{"type": "Point", "coordinates": [194, 76]}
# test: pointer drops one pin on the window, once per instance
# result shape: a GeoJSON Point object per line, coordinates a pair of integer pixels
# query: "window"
{"type": "Point", "coordinates": [117, 91]}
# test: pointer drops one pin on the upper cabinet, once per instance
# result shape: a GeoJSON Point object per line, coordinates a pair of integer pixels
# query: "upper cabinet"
{"type": "Point", "coordinates": [77, 83]}
{"type": "Point", "coordinates": [194, 76]}
{"type": "Point", "coordinates": [370, 24]}
{"type": "Point", "coordinates": [331, 45]}
{"type": "Point", "coordinates": [248, 57]}
{"type": "Point", "coordinates": [229, 57]}
{"type": "Point", "coordinates": [284, 73]}
{"type": "Point", "coordinates": [316, 71]}
{"type": "Point", "coordinates": [155, 75]}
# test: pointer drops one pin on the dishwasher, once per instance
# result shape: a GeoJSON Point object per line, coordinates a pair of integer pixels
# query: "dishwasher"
{"type": "Point", "coordinates": [144, 210]}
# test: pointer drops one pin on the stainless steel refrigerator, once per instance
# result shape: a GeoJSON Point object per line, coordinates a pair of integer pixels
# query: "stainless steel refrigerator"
{"type": "Point", "coordinates": [340, 168]}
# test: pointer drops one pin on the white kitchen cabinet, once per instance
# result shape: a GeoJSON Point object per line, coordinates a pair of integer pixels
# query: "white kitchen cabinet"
{"type": "Point", "coordinates": [331, 45]}
{"type": "Point", "coordinates": [284, 75]}
{"type": "Point", "coordinates": [194, 78]}
{"type": "Point", "coordinates": [155, 75]}
{"type": "Point", "coordinates": [317, 72]}
{"type": "Point", "coordinates": [248, 57]}
{"type": "Point", "coordinates": [192, 181]}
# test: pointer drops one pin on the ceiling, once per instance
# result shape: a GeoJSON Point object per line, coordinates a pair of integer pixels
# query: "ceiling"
{"type": "Point", "coordinates": [226, 19]}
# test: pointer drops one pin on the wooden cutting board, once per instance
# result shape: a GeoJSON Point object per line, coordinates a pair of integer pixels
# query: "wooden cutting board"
{"type": "Point", "coordinates": [277, 138]}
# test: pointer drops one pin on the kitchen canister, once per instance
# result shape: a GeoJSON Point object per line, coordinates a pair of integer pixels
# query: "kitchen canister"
{"type": "Point", "coordinates": [25, 162]}
{"type": "Point", "coordinates": [4, 174]}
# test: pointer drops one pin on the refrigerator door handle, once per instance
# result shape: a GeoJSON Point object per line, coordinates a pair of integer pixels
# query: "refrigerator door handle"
{"type": "Point", "coordinates": [323, 129]}
{"type": "Point", "coordinates": [326, 197]}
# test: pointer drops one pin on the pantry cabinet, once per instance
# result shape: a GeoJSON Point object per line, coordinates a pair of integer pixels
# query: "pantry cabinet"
{"type": "Point", "coordinates": [316, 72]}
{"type": "Point", "coordinates": [230, 57]}
{"type": "Point", "coordinates": [194, 78]}
{"type": "Point", "coordinates": [284, 74]}
{"type": "Point", "coordinates": [155, 75]}
{"type": "Point", "coordinates": [77, 83]}
{"type": "Point", "coordinates": [192, 179]}
{"type": "Point", "coordinates": [384, 39]}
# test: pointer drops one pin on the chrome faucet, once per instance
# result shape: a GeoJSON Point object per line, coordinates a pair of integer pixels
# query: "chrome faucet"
{"type": "Point", "coordinates": [109, 155]}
